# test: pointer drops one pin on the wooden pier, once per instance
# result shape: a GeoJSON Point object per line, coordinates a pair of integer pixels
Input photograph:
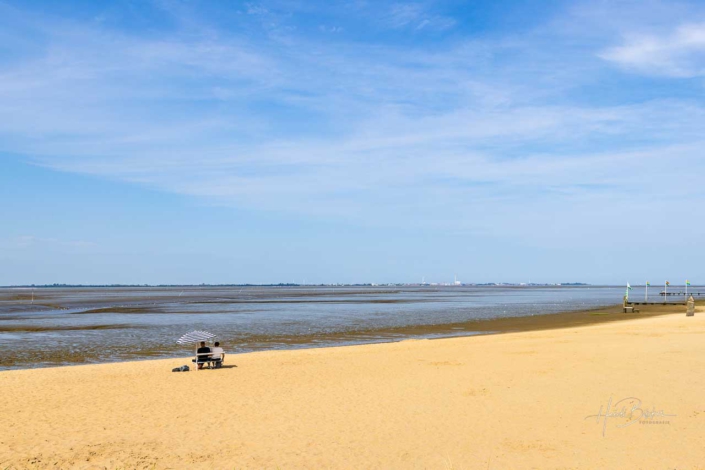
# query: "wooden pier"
{"type": "Point", "coordinates": [683, 300]}
{"type": "Point", "coordinates": [669, 294]}
{"type": "Point", "coordinates": [656, 303]}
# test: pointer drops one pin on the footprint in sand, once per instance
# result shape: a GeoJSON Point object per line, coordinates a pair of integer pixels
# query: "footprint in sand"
{"type": "Point", "coordinates": [476, 392]}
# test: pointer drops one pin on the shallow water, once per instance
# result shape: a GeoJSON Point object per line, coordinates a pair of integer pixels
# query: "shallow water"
{"type": "Point", "coordinates": [88, 325]}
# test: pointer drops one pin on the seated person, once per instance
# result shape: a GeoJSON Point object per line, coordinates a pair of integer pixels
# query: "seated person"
{"type": "Point", "coordinates": [201, 354]}
{"type": "Point", "coordinates": [217, 353]}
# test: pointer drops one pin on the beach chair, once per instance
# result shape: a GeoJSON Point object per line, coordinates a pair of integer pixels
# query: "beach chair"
{"type": "Point", "coordinates": [202, 358]}
{"type": "Point", "coordinates": [211, 362]}
{"type": "Point", "coordinates": [215, 363]}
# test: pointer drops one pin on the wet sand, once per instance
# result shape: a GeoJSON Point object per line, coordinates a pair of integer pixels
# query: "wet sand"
{"type": "Point", "coordinates": [57, 357]}
{"type": "Point", "coordinates": [515, 400]}
{"type": "Point", "coordinates": [67, 326]}
{"type": "Point", "coordinates": [536, 322]}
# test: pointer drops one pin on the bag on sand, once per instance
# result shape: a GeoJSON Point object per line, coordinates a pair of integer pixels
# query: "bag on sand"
{"type": "Point", "coordinates": [180, 369]}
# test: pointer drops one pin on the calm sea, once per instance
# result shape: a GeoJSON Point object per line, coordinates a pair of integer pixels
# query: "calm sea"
{"type": "Point", "coordinates": [48, 327]}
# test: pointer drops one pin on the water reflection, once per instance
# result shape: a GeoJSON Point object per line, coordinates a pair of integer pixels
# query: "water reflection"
{"type": "Point", "coordinates": [73, 326]}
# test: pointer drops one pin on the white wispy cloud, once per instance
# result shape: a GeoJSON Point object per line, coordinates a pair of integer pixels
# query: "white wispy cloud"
{"type": "Point", "coordinates": [255, 9]}
{"type": "Point", "coordinates": [481, 135]}
{"type": "Point", "coordinates": [331, 29]}
{"type": "Point", "coordinates": [416, 16]}
{"type": "Point", "coordinates": [680, 53]}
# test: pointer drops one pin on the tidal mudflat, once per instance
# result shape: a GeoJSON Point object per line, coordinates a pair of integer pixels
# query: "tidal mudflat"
{"type": "Point", "coordinates": [61, 326]}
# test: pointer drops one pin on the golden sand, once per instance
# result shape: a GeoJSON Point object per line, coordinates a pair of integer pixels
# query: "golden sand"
{"type": "Point", "coordinates": [516, 400]}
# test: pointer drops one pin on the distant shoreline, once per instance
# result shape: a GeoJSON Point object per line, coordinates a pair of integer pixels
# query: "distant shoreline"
{"type": "Point", "coordinates": [487, 284]}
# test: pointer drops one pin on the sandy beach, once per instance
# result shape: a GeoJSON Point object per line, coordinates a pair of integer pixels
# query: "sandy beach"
{"type": "Point", "coordinates": [514, 400]}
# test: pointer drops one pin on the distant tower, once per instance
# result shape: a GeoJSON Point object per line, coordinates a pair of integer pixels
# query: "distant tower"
{"type": "Point", "coordinates": [456, 282]}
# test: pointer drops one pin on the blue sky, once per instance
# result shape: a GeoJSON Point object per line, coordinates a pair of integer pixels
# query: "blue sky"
{"type": "Point", "coordinates": [280, 141]}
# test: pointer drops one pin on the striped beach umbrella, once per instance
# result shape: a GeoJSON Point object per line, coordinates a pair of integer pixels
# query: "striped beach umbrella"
{"type": "Point", "coordinates": [195, 337]}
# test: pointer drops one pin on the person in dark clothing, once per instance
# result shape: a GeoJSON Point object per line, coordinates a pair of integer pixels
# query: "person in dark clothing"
{"type": "Point", "coordinates": [202, 354]}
